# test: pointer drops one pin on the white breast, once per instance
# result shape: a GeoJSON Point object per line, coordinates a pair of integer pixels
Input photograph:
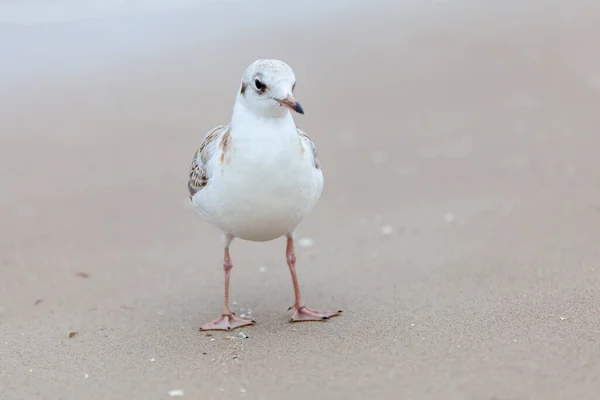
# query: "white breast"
{"type": "Point", "coordinates": [266, 185]}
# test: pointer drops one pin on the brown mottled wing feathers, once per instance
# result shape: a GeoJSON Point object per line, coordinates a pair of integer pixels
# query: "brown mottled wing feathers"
{"type": "Point", "coordinates": [198, 177]}
{"type": "Point", "coordinates": [306, 139]}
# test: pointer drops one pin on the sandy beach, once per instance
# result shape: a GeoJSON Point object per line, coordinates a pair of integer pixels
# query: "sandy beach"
{"type": "Point", "coordinates": [458, 228]}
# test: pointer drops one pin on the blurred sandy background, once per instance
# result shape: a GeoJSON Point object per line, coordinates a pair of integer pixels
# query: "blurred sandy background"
{"type": "Point", "coordinates": [458, 229]}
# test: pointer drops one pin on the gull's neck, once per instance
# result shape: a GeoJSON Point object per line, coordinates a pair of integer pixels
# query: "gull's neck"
{"type": "Point", "coordinates": [245, 116]}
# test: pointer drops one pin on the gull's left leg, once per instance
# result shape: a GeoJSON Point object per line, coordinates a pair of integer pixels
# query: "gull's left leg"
{"type": "Point", "coordinates": [302, 313]}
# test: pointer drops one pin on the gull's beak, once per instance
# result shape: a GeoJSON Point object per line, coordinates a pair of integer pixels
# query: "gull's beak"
{"type": "Point", "coordinates": [291, 103]}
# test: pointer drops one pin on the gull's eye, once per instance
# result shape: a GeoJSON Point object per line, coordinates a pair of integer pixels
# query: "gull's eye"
{"type": "Point", "coordinates": [259, 85]}
{"type": "Point", "coordinates": [293, 87]}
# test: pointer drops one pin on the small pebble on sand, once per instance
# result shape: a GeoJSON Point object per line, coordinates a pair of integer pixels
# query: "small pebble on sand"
{"type": "Point", "coordinates": [449, 217]}
{"type": "Point", "coordinates": [387, 230]}
{"type": "Point", "coordinates": [176, 393]}
{"type": "Point", "coordinates": [262, 268]}
{"type": "Point", "coordinates": [306, 242]}
{"type": "Point", "coordinates": [379, 157]}
{"type": "Point", "coordinates": [243, 335]}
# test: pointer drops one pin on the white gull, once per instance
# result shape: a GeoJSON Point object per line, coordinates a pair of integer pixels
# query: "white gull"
{"type": "Point", "coordinates": [258, 177]}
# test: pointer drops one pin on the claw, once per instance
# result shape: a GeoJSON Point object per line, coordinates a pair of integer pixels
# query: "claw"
{"type": "Point", "coordinates": [227, 322]}
{"type": "Point", "coordinates": [306, 314]}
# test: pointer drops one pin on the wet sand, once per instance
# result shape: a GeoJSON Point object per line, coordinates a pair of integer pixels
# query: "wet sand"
{"type": "Point", "coordinates": [458, 229]}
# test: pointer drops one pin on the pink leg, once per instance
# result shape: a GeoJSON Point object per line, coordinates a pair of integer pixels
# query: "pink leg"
{"type": "Point", "coordinates": [302, 313]}
{"type": "Point", "coordinates": [228, 320]}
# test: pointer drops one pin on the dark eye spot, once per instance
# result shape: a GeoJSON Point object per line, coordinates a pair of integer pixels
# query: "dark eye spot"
{"type": "Point", "coordinates": [259, 85]}
{"type": "Point", "coordinates": [294, 87]}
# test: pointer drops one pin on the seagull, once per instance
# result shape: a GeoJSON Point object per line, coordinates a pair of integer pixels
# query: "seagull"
{"type": "Point", "coordinates": [257, 177]}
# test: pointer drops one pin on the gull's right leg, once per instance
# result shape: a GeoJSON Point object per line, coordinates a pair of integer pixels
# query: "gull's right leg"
{"type": "Point", "coordinates": [228, 320]}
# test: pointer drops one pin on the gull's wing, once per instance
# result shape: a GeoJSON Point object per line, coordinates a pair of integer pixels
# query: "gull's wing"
{"type": "Point", "coordinates": [310, 146]}
{"type": "Point", "coordinates": [198, 173]}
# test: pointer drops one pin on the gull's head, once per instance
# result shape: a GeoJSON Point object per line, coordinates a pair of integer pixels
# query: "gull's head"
{"type": "Point", "coordinates": [268, 88]}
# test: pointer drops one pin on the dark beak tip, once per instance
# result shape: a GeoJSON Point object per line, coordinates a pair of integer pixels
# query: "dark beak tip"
{"type": "Point", "coordinates": [299, 109]}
